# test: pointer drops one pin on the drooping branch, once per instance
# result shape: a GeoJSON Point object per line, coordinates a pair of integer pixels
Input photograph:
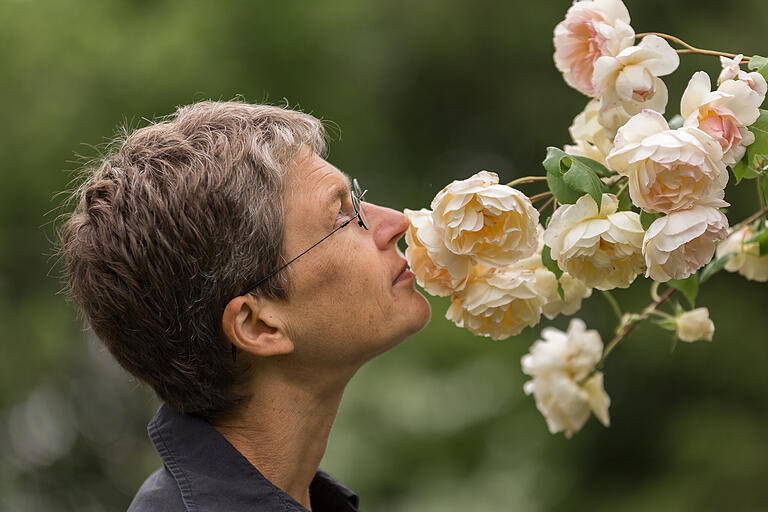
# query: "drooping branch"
{"type": "Point", "coordinates": [689, 48]}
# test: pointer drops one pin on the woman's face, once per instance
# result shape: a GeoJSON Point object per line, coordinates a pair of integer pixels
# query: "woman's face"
{"type": "Point", "coordinates": [349, 299]}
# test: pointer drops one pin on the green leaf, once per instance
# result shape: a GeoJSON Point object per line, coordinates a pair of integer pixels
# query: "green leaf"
{"type": "Point", "coordinates": [646, 219]}
{"type": "Point", "coordinates": [714, 266]}
{"type": "Point", "coordinates": [625, 203]}
{"type": "Point", "coordinates": [743, 171]}
{"type": "Point", "coordinates": [759, 64]}
{"type": "Point", "coordinates": [552, 163]}
{"type": "Point", "coordinates": [569, 177]}
{"type": "Point", "coordinates": [764, 187]}
{"type": "Point", "coordinates": [546, 259]}
{"type": "Point", "coordinates": [761, 238]}
{"type": "Point", "coordinates": [596, 166]}
{"type": "Point", "coordinates": [689, 287]}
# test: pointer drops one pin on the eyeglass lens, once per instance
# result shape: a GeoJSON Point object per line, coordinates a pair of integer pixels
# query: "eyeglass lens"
{"type": "Point", "coordinates": [357, 198]}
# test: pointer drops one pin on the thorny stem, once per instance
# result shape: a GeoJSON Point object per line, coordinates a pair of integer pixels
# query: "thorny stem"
{"type": "Point", "coordinates": [628, 323]}
{"type": "Point", "coordinates": [544, 206]}
{"type": "Point", "coordinates": [690, 49]}
{"type": "Point", "coordinates": [538, 197]}
{"type": "Point", "coordinates": [751, 218]}
{"type": "Point", "coordinates": [526, 179]}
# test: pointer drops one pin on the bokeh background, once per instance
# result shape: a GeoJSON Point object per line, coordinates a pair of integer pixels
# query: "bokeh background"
{"type": "Point", "coordinates": [422, 92]}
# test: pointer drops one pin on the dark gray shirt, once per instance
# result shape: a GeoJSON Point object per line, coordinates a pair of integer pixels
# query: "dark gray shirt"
{"type": "Point", "coordinates": [202, 471]}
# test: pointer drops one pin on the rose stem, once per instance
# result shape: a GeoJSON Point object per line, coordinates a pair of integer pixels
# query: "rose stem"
{"type": "Point", "coordinates": [608, 296]}
{"type": "Point", "coordinates": [538, 197]}
{"type": "Point", "coordinates": [526, 179]}
{"type": "Point", "coordinates": [752, 217]}
{"type": "Point", "coordinates": [690, 49]}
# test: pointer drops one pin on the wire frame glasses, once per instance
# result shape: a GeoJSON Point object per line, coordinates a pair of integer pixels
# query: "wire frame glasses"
{"type": "Point", "coordinates": [357, 203]}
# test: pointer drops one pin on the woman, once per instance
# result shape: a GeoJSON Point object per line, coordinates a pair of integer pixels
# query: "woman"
{"type": "Point", "coordinates": [226, 264]}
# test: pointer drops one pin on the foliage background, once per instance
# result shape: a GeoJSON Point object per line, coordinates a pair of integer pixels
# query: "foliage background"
{"type": "Point", "coordinates": [423, 92]}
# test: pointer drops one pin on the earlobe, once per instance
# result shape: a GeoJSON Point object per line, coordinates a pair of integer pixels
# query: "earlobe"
{"type": "Point", "coordinates": [250, 328]}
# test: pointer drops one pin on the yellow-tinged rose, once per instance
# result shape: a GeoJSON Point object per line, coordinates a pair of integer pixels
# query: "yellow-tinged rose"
{"type": "Point", "coordinates": [590, 138]}
{"type": "Point", "coordinates": [746, 260]}
{"type": "Point", "coordinates": [695, 325]}
{"type": "Point", "coordinates": [677, 245]}
{"type": "Point", "coordinates": [564, 385]}
{"type": "Point", "coordinates": [574, 291]}
{"type": "Point", "coordinates": [669, 170]}
{"type": "Point", "coordinates": [498, 302]}
{"type": "Point", "coordinates": [601, 248]}
{"type": "Point", "coordinates": [494, 224]}
{"type": "Point", "coordinates": [437, 270]}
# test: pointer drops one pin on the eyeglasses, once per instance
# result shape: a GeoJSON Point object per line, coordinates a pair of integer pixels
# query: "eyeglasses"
{"type": "Point", "coordinates": [357, 203]}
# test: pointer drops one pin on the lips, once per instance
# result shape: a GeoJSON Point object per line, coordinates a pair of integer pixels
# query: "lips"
{"type": "Point", "coordinates": [400, 274]}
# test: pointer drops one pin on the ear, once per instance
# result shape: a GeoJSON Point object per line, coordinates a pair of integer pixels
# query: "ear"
{"type": "Point", "coordinates": [249, 326]}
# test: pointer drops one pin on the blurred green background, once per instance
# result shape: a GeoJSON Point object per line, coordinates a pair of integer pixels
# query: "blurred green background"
{"type": "Point", "coordinates": [422, 92]}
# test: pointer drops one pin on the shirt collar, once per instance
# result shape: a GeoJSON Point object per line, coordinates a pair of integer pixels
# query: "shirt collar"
{"type": "Point", "coordinates": [213, 475]}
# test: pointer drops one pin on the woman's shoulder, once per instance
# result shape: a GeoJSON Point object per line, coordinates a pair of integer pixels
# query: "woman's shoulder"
{"type": "Point", "coordinates": [159, 492]}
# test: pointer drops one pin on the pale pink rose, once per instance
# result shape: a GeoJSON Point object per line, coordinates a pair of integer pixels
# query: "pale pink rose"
{"type": "Point", "coordinates": [498, 302]}
{"type": "Point", "coordinates": [669, 170]}
{"type": "Point", "coordinates": [591, 29]}
{"type": "Point", "coordinates": [565, 384]}
{"type": "Point", "coordinates": [437, 270]}
{"type": "Point", "coordinates": [724, 114]}
{"type": "Point", "coordinates": [494, 224]}
{"type": "Point", "coordinates": [747, 260]}
{"type": "Point", "coordinates": [629, 82]}
{"type": "Point", "coordinates": [677, 245]}
{"type": "Point", "coordinates": [600, 247]}
{"type": "Point", "coordinates": [731, 71]}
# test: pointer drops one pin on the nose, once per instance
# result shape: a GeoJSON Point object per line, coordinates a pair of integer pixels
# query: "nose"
{"type": "Point", "coordinates": [387, 225]}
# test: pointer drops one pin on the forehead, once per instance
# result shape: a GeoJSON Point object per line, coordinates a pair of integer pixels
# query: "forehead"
{"type": "Point", "coordinates": [314, 178]}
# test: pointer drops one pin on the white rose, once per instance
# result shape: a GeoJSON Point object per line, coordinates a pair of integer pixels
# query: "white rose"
{"type": "Point", "coordinates": [695, 325]}
{"type": "Point", "coordinates": [498, 302]}
{"type": "Point", "coordinates": [731, 70]}
{"type": "Point", "coordinates": [723, 114]}
{"type": "Point", "coordinates": [560, 365]}
{"type": "Point", "coordinates": [437, 270]}
{"type": "Point", "coordinates": [746, 260]}
{"type": "Point", "coordinates": [494, 224]}
{"type": "Point", "coordinates": [678, 244]}
{"type": "Point", "coordinates": [574, 291]}
{"type": "Point", "coordinates": [628, 82]}
{"type": "Point", "coordinates": [602, 248]}
{"type": "Point", "coordinates": [668, 170]}
{"type": "Point", "coordinates": [590, 29]}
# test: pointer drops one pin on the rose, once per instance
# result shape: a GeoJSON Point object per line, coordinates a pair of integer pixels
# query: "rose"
{"type": "Point", "coordinates": [494, 224]}
{"type": "Point", "coordinates": [590, 30]}
{"type": "Point", "coordinates": [561, 364]}
{"type": "Point", "coordinates": [590, 138]}
{"type": "Point", "coordinates": [723, 114]}
{"type": "Point", "coordinates": [731, 70]}
{"type": "Point", "coordinates": [746, 259]}
{"type": "Point", "coordinates": [628, 82]}
{"type": "Point", "coordinates": [695, 325]}
{"type": "Point", "coordinates": [602, 248]}
{"type": "Point", "coordinates": [498, 302]}
{"type": "Point", "coordinates": [668, 170]}
{"type": "Point", "coordinates": [677, 245]}
{"type": "Point", "coordinates": [437, 270]}
{"type": "Point", "coordinates": [574, 291]}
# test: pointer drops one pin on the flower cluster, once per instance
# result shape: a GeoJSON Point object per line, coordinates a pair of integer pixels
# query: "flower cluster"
{"type": "Point", "coordinates": [634, 194]}
{"type": "Point", "coordinates": [481, 244]}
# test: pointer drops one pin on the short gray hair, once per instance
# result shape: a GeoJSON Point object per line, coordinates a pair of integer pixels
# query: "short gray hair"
{"type": "Point", "coordinates": [169, 227]}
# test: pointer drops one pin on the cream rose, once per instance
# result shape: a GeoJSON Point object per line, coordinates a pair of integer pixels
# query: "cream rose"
{"type": "Point", "coordinates": [678, 244]}
{"type": "Point", "coordinates": [561, 364]}
{"type": "Point", "coordinates": [601, 247]}
{"type": "Point", "coordinates": [695, 325]}
{"type": "Point", "coordinates": [629, 81]}
{"type": "Point", "coordinates": [746, 260]}
{"type": "Point", "coordinates": [437, 270]}
{"type": "Point", "coordinates": [668, 170]}
{"type": "Point", "coordinates": [574, 291]}
{"type": "Point", "coordinates": [494, 224]}
{"type": "Point", "coordinates": [724, 114]}
{"type": "Point", "coordinates": [590, 138]}
{"type": "Point", "coordinates": [590, 30]}
{"type": "Point", "coordinates": [498, 302]}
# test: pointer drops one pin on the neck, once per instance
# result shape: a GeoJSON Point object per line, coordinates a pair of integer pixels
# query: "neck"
{"type": "Point", "coordinates": [283, 430]}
